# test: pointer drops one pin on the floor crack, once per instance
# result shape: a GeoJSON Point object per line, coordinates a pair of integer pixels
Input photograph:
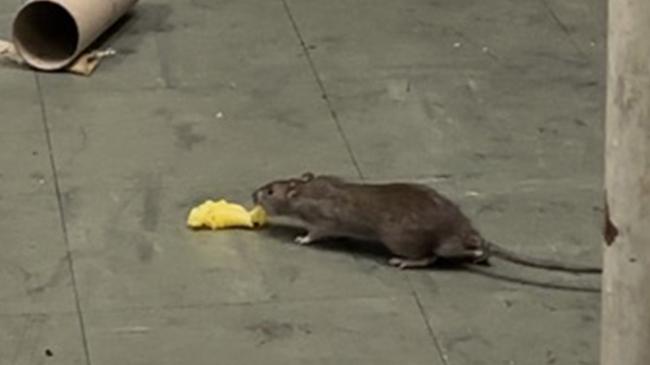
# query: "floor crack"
{"type": "Point", "coordinates": [64, 228]}
{"type": "Point", "coordinates": [423, 314]}
{"type": "Point", "coordinates": [323, 90]}
{"type": "Point", "coordinates": [564, 28]}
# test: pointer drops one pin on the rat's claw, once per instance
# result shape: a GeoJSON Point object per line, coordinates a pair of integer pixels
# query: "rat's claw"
{"type": "Point", "coordinates": [303, 240]}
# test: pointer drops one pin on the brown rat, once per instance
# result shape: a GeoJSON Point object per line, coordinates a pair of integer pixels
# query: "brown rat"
{"type": "Point", "coordinates": [415, 222]}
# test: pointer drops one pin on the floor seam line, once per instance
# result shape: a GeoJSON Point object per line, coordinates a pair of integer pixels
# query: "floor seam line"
{"type": "Point", "coordinates": [215, 306]}
{"type": "Point", "coordinates": [564, 28]}
{"type": "Point", "coordinates": [323, 90]}
{"type": "Point", "coordinates": [62, 222]}
{"type": "Point", "coordinates": [423, 314]}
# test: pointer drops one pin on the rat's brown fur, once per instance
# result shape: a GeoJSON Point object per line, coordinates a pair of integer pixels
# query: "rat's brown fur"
{"type": "Point", "coordinates": [415, 222]}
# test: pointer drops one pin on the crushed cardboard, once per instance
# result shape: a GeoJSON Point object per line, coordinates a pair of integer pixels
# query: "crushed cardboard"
{"type": "Point", "coordinates": [84, 65]}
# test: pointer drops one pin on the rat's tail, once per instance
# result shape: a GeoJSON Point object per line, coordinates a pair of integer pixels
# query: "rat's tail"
{"type": "Point", "coordinates": [497, 251]}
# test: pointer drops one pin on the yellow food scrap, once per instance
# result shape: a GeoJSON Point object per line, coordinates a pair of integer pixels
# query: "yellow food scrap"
{"type": "Point", "coordinates": [221, 214]}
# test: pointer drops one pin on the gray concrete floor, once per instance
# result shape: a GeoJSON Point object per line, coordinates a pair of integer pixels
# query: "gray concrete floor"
{"type": "Point", "coordinates": [496, 103]}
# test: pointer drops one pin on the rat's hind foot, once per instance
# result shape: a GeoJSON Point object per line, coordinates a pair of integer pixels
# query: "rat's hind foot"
{"type": "Point", "coordinates": [402, 264]}
{"type": "Point", "coordinates": [481, 257]}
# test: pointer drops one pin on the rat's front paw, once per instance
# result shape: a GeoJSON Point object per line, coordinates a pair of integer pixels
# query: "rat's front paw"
{"type": "Point", "coordinates": [402, 264]}
{"type": "Point", "coordinates": [397, 262]}
{"type": "Point", "coordinates": [303, 240]}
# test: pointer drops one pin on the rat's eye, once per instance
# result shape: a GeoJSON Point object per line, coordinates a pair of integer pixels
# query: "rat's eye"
{"type": "Point", "coordinates": [269, 191]}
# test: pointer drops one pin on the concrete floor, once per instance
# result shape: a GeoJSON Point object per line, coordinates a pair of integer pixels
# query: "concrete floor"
{"type": "Point", "coordinates": [496, 103]}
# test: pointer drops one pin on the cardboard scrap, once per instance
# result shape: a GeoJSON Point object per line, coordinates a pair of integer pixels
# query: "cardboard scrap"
{"type": "Point", "coordinates": [8, 51]}
{"type": "Point", "coordinates": [83, 65]}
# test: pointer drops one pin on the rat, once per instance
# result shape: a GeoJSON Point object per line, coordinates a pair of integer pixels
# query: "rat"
{"type": "Point", "coordinates": [416, 223]}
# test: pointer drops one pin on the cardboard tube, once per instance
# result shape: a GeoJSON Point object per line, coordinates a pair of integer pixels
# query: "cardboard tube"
{"type": "Point", "coordinates": [49, 34]}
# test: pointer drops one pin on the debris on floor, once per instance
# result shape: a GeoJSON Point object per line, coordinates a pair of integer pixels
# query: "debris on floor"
{"type": "Point", "coordinates": [53, 35]}
{"type": "Point", "coordinates": [222, 214]}
{"type": "Point", "coordinates": [84, 65]}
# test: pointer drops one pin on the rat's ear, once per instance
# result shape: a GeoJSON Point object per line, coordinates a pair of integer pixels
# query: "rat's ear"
{"type": "Point", "coordinates": [307, 176]}
{"type": "Point", "coordinates": [292, 193]}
